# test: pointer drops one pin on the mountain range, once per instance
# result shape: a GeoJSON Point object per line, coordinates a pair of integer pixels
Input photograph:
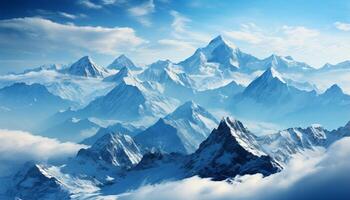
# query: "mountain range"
{"type": "Point", "coordinates": [115, 164]}
{"type": "Point", "coordinates": [159, 122]}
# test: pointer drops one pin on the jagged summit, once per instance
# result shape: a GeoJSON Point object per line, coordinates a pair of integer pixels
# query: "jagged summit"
{"type": "Point", "coordinates": [121, 62]}
{"type": "Point", "coordinates": [285, 64]}
{"type": "Point", "coordinates": [241, 134]}
{"type": "Point", "coordinates": [219, 52]}
{"type": "Point", "coordinates": [231, 150]}
{"type": "Point", "coordinates": [87, 68]}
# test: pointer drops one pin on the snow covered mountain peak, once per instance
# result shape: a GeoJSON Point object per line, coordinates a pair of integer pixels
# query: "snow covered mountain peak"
{"type": "Point", "coordinates": [121, 62]}
{"type": "Point", "coordinates": [272, 73]}
{"type": "Point", "coordinates": [217, 41]}
{"type": "Point", "coordinates": [87, 68]}
{"type": "Point", "coordinates": [231, 150]}
{"type": "Point", "coordinates": [286, 63]}
{"type": "Point", "coordinates": [218, 53]}
{"type": "Point", "coordinates": [270, 82]}
{"type": "Point", "coordinates": [241, 134]}
{"type": "Point", "coordinates": [191, 111]}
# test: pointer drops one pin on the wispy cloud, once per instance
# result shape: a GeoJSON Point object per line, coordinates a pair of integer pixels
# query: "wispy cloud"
{"type": "Point", "coordinates": [182, 39]}
{"type": "Point", "coordinates": [38, 34]}
{"type": "Point", "coordinates": [342, 26]}
{"type": "Point", "coordinates": [57, 14]}
{"type": "Point", "coordinates": [181, 29]}
{"type": "Point", "coordinates": [89, 4]}
{"type": "Point", "coordinates": [303, 43]}
{"type": "Point", "coordinates": [141, 12]}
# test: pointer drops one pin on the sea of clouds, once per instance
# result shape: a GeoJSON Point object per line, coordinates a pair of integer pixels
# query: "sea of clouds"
{"type": "Point", "coordinates": [320, 174]}
{"type": "Point", "coordinates": [19, 147]}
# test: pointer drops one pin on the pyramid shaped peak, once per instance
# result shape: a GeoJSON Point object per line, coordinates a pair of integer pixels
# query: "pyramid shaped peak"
{"type": "Point", "coordinates": [272, 73]}
{"type": "Point", "coordinates": [122, 61]}
{"type": "Point", "coordinates": [189, 104]}
{"type": "Point", "coordinates": [219, 40]}
{"type": "Point", "coordinates": [123, 56]}
{"type": "Point", "coordinates": [190, 110]}
{"type": "Point", "coordinates": [334, 89]}
{"type": "Point", "coordinates": [85, 60]}
{"type": "Point", "coordinates": [185, 109]}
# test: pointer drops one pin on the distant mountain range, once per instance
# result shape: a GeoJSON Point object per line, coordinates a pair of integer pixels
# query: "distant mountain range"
{"type": "Point", "coordinates": [157, 123]}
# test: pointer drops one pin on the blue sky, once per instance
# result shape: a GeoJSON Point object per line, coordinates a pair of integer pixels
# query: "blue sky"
{"type": "Point", "coordinates": [35, 32]}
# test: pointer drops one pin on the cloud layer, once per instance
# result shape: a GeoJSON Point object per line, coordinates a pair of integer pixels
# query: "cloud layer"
{"type": "Point", "coordinates": [18, 147]}
{"type": "Point", "coordinates": [313, 176]}
{"type": "Point", "coordinates": [38, 34]}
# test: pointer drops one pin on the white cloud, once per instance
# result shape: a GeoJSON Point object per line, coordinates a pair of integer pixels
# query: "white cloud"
{"type": "Point", "coordinates": [313, 176]}
{"type": "Point", "coordinates": [90, 4]}
{"type": "Point", "coordinates": [71, 16]}
{"type": "Point", "coordinates": [18, 147]}
{"type": "Point", "coordinates": [302, 43]}
{"type": "Point", "coordinates": [43, 35]}
{"type": "Point", "coordinates": [342, 26]}
{"type": "Point", "coordinates": [56, 14]}
{"type": "Point", "coordinates": [181, 30]}
{"type": "Point", "coordinates": [142, 12]}
{"type": "Point", "coordinates": [109, 2]}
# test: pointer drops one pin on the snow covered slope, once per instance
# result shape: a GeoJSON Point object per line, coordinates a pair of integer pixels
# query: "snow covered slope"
{"type": "Point", "coordinates": [126, 129]}
{"type": "Point", "coordinates": [130, 100]}
{"type": "Point", "coordinates": [113, 149]}
{"type": "Point", "coordinates": [217, 55]}
{"type": "Point", "coordinates": [180, 131]}
{"type": "Point", "coordinates": [282, 145]}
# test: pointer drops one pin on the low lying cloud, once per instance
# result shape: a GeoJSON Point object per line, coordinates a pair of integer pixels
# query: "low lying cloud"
{"type": "Point", "coordinates": [18, 147]}
{"type": "Point", "coordinates": [34, 34]}
{"type": "Point", "coordinates": [316, 175]}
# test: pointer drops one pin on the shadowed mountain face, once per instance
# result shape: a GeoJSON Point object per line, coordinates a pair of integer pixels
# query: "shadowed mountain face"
{"type": "Point", "coordinates": [29, 104]}
{"type": "Point", "coordinates": [231, 150]}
